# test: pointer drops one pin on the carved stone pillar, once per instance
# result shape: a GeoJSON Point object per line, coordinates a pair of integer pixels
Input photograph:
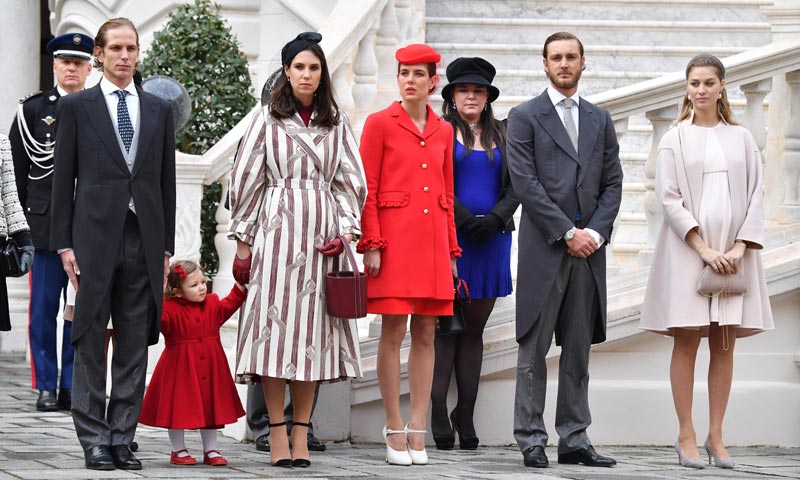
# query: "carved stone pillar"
{"type": "Point", "coordinates": [365, 79]}
{"type": "Point", "coordinates": [386, 43]}
{"type": "Point", "coordinates": [341, 86]}
{"type": "Point", "coordinates": [754, 118]}
{"type": "Point", "coordinates": [612, 267]}
{"type": "Point", "coordinates": [189, 172]}
{"type": "Point", "coordinates": [404, 14]}
{"type": "Point", "coordinates": [789, 211]}
{"type": "Point", "coordinates": [226, 249]}
{"type": "Point", "coordinates": [661, 119]}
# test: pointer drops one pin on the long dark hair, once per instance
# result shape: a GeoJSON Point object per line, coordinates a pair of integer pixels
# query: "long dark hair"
{"type": "Point", "coordinates": [492, 130]}
{"type": "Point", "coordinates": [282, 103]}
{"type": "Point", "coordinates": [723, 107]}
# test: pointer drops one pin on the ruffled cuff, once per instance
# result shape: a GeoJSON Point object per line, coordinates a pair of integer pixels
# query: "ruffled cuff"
{"type": "Point", "coordinates": [244, 231]}
{"type": "Point", "coordinates": [455, 252]}
{"type": "Point", "coordinates": [366, 244]}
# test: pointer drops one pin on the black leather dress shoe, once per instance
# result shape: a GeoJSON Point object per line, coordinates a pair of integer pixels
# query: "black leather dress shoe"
{"type": "Point", "coordinates": [314, 443]}
{"type": "Point", "coordinates": [262, 443]}
{"type": "Point", "coordinates": [98, 458]}
{"type": "Point", "coordinates": [47, 401]}
{"type": "Point", "coordinates": [124, 459]}
{"type": "Point", "coordinates": [65, 399]}
{"type": "Point", "coordinates": [586, 456]}
{"type": "Point", "coordinates": [535, 457]}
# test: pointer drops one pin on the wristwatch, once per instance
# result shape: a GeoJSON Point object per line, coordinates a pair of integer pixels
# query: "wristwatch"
{"type": "Point", "coordinates": [570, 233]}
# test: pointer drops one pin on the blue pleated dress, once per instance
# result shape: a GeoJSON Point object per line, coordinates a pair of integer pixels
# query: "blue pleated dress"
{"type": "Point", "coordinates": [486, 267]}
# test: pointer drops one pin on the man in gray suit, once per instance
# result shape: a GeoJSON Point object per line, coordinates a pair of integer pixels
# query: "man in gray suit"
{"type": "Point", "coordinates": [113, 224]}
{"type": "Point", "coordinates": [564, 163]}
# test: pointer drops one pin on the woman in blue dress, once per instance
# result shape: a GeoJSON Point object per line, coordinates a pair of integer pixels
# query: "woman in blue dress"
{"type": "Point", "coordinates": [484, 207]}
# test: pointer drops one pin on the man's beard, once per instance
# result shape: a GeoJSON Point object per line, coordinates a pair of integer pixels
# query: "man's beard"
{"type": "Point", "coordinates": [566, 84]}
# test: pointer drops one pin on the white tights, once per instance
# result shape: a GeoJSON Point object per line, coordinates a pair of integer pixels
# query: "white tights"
{"type": "Point", "coordinates": [209, 437]}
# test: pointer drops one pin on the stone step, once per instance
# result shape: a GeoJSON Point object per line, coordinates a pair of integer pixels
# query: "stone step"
{"type": "Point", "coordinates": [601, 32]}
{"type": "Point", "coordinates": [675, 10]}
{"type": "Point", "coordinates": [662, 58]}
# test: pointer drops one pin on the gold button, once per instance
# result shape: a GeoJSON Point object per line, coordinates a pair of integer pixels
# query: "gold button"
{"type": "Point", "coordinates": [425, 211]}
{"type": "Point", "coordinates": [421, 144]}
{"type": "Point", "coordinates": [424, 165]}
{"type": "Point", "coordinates": [425, 189]}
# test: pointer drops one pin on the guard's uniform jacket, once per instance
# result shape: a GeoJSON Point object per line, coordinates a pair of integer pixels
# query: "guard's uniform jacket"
{"type": "Point", "coordinates": [32, 137]}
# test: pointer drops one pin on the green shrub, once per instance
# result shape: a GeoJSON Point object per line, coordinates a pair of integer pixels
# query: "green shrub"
{"type": "Point", "coordinates": [198, 49]}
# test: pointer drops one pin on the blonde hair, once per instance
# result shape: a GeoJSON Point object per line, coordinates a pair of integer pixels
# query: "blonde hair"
{"type": "Point", "coordinates": [177, 272]}
{"type": "Point", "coordinates": [723, 107]}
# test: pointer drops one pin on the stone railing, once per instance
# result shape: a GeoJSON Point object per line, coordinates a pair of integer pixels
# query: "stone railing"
{"type": "Point", "coordinates": [359, 40]}
{"type": "Point", "coordinates": [753, 72]}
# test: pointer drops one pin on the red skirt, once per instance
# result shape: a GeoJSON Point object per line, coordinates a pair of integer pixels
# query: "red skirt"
{"type": "Point", "coordinates": [410, 306]}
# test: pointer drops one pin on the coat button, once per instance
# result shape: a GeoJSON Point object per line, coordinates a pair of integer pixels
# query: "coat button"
{"type": "Point", "coordinates": [425, 211]}
{"type": "Point", "coordinates": [422, 144]}
{"type": "Point", "coordinates": [425, 189]}
{"type": "Point", "coordinates": [424, 165]}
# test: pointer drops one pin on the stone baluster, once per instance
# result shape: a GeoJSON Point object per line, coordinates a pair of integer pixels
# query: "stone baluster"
{"type": "Point", "coordinates": [612, 267]}
{"type": "Point", "coordinates": [386, 44]}
{"type": "Point", "coordinates": [754, 118]}
{"type": "Point", "coordinates": [404, 14]}
{"type": "Point", "coordinates": [789, 211]}
{"type": "Point", "coordinates": [341, 86]}
{"type": "Point", "coordinates": [226, 249]}
{"type": "Point", "coordinates": [365, 79]}
{"type": "Point", "coordinates": [661, 119]}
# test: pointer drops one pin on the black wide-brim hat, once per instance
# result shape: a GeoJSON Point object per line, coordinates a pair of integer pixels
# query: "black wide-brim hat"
{"type": "Point", "coordinates": [473, 71]}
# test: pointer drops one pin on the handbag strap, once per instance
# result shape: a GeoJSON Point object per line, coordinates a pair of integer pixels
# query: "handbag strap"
{"type": "Point", "coordinates": [350, 256]}
{"type": "Point", "coordinates": [462, 284]}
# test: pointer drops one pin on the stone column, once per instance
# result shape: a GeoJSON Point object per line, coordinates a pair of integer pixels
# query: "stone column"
{"type": "Point", "coordinates": [754, 118]}
{"type": "Point", "coordinates": [386, 44]}
{"type": "Point", "coordinates": [365, 79]}
{"type": "Point", "coordinates": [20, 22]}
{"type": "Point", "coordinates": [789, 211]}
{"type": "Point", "coordinates": [189, 173]}
{"type": "Point", "coordinates": [612, 267]}
{"type": "Point", "coordinates": [226, 249]}
{"type": "Point", "coordinates": [661, 119]}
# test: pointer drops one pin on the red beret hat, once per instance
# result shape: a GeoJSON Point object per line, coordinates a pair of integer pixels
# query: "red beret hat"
{"type": "Point", "coordinates": [417, 53]}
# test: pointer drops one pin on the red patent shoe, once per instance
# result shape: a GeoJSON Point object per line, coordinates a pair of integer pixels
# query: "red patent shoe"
{"type": "Point", "coordinates": [176, 459]}
{"type": "Point", "coordinates": [218, 461]}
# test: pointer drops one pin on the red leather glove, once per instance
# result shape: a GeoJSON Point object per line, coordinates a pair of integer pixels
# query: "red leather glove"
{"type": "Point", "coordinates": [332, 248]}
{"type": "Point", "coordinates": [241, 269]}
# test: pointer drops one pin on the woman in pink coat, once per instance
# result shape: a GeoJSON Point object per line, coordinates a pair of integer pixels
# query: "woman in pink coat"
{"type": "Point", "coordinates": [409, 241]}
{"type": "Point", "coordinates": [709, 183]}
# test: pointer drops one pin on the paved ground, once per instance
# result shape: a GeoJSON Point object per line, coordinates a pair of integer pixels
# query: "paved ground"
{"type": "Point", "coordinates": [43, 446]}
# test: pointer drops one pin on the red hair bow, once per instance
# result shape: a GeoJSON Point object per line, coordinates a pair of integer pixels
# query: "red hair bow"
{"type": "Point", "coordinates": [178, 270]}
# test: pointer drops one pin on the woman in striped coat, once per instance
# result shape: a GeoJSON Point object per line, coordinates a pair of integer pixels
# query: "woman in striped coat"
{"type": "Point", "coordinates": [297, 184]}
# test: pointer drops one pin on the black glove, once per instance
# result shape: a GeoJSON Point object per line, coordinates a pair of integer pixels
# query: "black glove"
{"type": "Point", "coordinates": [25, 245]}
{"type": "Point", "coordinates": [469, 224]}
{"type": "Point", "coordinates": [483, 229]}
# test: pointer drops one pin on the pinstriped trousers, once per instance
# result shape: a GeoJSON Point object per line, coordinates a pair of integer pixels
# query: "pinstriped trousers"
{"type": "Point", "coordinates": [128, 303]}
{"type": "Point", "coordinates": [569, 308]}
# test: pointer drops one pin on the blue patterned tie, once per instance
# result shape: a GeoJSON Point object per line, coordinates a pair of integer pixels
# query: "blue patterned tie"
{"type": "Point", "coordinates": [124, 120]}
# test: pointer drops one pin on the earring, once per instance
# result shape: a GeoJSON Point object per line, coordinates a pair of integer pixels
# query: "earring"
{"type": "Point", "coordinates": [689, 97]}
{"type": "Point", "coordinates": [454, 105]}
{"type": "Point", "coordinates": [486, 106]}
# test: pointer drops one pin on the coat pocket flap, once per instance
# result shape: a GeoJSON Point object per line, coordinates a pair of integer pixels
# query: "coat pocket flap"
{"type": "Point", "coordinates": [393, 199]}
{"type": "Point", "coordinates": [443, 202]}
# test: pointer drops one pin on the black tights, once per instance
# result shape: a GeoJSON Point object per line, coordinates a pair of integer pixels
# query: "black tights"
{"type": "Point", "coordinates": [464, 354]}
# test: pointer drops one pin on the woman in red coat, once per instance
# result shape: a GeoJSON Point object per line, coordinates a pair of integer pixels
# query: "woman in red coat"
{"type": "Point", "coordinates": [192, 385]}
{"type": "Point", "coordinates": [409, 241]}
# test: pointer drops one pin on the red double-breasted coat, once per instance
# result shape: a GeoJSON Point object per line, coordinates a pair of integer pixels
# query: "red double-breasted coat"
{"type": "Point", "coordinates": [192, 384]}
{"type": "Point", "coordinates": [409, 208]}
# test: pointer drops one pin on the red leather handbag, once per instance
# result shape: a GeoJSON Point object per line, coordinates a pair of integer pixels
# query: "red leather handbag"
{"type": "Point", "coordinates": [346, 291]}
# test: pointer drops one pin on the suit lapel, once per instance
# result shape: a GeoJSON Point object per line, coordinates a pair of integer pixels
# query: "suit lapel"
{"type": "Point", "coordinates": [588, 130]}
{"type": "Point", "coordinates": [148, 114]}
{"type": "Point", "coordinates": [97, 110]}
{"type": "Point", "coordinates": [549, 120]}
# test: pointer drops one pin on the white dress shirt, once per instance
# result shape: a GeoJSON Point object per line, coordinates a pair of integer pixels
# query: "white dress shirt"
{"type": "Point", "coordinates": [112, 100]}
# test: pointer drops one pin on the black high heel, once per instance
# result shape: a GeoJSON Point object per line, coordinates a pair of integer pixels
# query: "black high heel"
{"type": "Point", "coordinates": [301, 462]}
{"type": "Point", "coordinates": [443, 442]}
{"type": "Point", "coordinates": [464, 442]}
{"type": "Point", "coordinates": [282, 462]}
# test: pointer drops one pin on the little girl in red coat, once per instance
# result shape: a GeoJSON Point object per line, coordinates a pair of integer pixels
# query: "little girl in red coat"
{"type": "Point", "coordinates": [192, 386]}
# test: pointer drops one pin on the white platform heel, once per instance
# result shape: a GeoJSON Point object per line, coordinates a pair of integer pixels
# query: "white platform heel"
{"type": "Point", "coordinates": [396, 457]}
{"type": "Point", "coordinates": [418, 457]}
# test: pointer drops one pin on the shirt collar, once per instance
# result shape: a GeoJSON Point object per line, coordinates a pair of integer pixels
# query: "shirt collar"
{"type": "Point", "coordinates": [556, 96]}
{"type": "Point", "coordinates": [108, 88]}
{"type": "Point", "coordinates": [690, 119]}
{"type": "Point", "coordinates": [61, 91]}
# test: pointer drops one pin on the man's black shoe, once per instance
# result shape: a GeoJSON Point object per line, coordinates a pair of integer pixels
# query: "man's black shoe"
{"type": "Point", "coordinates": [314, 443]}
{"type": "Point", "coordinates": [47, 401]}
{"type": "Point", "coordinates": [586, 456]}
{"type": "Point", "coordinates": [535, 457]}
{"type": "Point", "coordinates": [262, 443]}
{"type": "Point", "coordinates": [124, 459]}
{"type": "Point", "coordinates": [65, 399]}
{"type": "Point", "coordinates": [98, 458]}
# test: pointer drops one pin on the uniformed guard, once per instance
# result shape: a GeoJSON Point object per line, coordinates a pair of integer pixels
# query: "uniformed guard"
{"type": "Point", "coordinates": [32, 138]}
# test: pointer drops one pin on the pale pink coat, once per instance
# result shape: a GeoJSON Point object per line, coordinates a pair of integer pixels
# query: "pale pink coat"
{"type": "Point", "coordinates": [671, 299]}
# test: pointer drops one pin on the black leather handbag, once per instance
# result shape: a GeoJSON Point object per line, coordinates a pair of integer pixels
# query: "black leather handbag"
{"type": "Point", "coordinates": [454, 324]}
{"type": "Point", "coordinates": [9, 258]}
